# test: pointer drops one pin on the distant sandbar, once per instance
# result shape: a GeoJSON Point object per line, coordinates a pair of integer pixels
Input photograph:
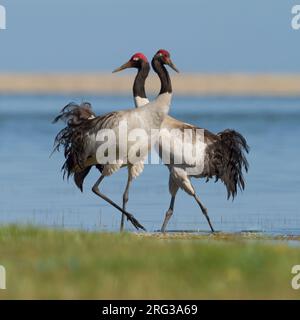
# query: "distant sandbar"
{"type": "Point", "coordinates": [183, 84]}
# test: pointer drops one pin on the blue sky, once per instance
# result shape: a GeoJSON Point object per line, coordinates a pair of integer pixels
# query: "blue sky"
{"type": "Point", "coordinates": [98, 35]}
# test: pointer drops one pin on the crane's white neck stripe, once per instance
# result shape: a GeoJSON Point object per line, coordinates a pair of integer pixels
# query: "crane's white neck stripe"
{"type": "Point", "coordinates": [139, 102]}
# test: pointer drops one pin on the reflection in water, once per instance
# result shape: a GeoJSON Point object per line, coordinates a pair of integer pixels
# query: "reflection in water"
{"type": "Point", "coordinates": [32, 190]}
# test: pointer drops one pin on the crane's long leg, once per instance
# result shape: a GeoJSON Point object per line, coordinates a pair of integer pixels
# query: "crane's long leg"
{"type": "Point", "coordinates": [182, 179]}
{"type": "Point", "coordinates": [125, 199]}
{"type": "Point", "coordinates": [204, 211]}
{"type": "Point", "coordinates": [169, 214]}
{"type": "Point", "coordinates": [173, 188]}
{"type": "Point", "coordinates": [129, 216]}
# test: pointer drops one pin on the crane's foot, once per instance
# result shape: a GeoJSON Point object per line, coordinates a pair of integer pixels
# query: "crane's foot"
{"type": "Point", "coordinates": [135, 223]}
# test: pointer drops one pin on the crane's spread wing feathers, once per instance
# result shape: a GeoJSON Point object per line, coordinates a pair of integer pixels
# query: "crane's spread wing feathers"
{"type": "Point", "coordinates": [226, 160]}
{"type": "Point", "coordinates": [78, 138]}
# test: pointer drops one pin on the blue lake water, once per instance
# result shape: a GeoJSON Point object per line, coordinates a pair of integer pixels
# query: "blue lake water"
{"type": "Point", "coordinates": [32, 189]}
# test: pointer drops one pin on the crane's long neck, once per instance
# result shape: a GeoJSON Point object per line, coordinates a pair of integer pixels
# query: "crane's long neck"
{"type": "Point", "coordinates": [163, 101]}
{"type": "Point", "coordinates": [139, 94]}
{"type": "Point", "coordinates": [153, 114]}
{"type": "Point", "coordinates": [163, 74]}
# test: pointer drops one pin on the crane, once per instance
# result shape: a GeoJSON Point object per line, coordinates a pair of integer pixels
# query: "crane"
{"type": "Point", "coordinates": [80, 142]}
{"type": "Point", "coordinates": [223, 155]}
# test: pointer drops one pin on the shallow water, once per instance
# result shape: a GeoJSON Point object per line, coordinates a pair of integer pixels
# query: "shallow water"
{"type": "Point", "coordinates": [33, 191]}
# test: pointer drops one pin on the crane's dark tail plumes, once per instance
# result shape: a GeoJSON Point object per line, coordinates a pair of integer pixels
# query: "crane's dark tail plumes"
{"type": "Point", "coordinates": [227, 160]}
{"type": "Point", "coordinates": [71, 139]}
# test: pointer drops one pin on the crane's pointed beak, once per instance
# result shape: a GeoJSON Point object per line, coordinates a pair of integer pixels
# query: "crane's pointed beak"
{"type": "Point", "coordinates": [124, 66]}
{"type": "Point", "coordinates": [172, 65]}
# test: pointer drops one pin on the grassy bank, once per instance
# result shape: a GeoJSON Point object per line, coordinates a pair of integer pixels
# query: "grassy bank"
{"type": "Point", "coordinates": [68, 264]}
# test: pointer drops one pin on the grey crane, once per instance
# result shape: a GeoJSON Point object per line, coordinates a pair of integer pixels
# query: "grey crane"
{"type": "Point", "coordinates": [223, 155]}
{"type": "Point", "coordinates": [79, 137]}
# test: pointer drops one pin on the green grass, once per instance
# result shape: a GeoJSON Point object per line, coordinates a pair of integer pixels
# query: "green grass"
{"type": "Point", "coordinates": [49, 264]}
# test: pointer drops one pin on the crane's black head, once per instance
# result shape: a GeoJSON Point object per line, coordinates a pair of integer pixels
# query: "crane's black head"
{"type": "Point", "coordinates": [136, 61]}
{"type": "Point", "coordinates": [164, 57]}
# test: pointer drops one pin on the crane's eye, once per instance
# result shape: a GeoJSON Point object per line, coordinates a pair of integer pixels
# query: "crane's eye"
{"type": "Point", "coordinates": [136, 59]}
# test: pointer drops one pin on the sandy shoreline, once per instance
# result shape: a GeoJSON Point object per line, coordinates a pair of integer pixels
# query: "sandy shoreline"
{"type": "Point", "coordinates": [184, 84]}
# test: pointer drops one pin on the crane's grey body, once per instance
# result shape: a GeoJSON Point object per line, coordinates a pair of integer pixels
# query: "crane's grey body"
{"type": "Point", "coordinates": [148, 117]}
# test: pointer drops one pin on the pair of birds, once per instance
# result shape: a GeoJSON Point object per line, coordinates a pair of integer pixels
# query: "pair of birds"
{"type": "Point", "coordinates": [223, 154]}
